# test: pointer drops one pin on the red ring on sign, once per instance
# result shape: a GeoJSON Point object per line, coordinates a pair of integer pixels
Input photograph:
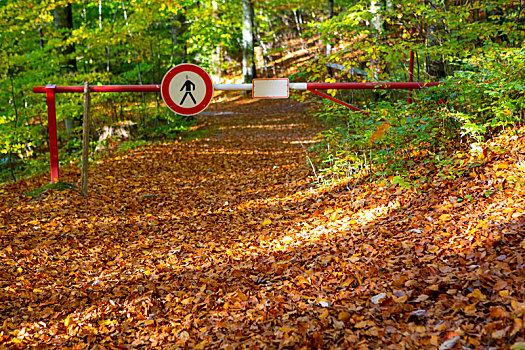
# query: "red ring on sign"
{"type": "Point", "coordinates": [186, 67]}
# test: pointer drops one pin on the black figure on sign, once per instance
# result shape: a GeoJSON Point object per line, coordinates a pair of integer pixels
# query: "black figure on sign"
{"type": "Point", "coordinates": [189, 86]}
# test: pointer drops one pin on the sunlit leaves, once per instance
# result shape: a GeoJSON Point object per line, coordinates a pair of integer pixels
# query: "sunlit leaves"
{"type": "Point", "coordinates": [223, 241]}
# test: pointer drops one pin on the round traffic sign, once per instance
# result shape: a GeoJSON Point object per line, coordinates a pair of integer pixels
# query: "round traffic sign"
{"type": "Point", "coordinates": [187, 89]}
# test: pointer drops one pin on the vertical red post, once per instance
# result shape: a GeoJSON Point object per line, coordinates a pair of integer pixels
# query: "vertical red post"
{"type": "Point", "coordinates": [52, 128]}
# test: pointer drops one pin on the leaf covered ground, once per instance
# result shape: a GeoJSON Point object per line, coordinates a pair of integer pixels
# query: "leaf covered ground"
{"type": "Point", "coordinates": [223, 242]}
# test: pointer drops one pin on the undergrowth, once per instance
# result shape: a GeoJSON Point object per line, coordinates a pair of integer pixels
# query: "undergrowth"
{"type": "Point", "coordinates": [160, 126]}
{"type": "Point", "coordinates": [443, 133]}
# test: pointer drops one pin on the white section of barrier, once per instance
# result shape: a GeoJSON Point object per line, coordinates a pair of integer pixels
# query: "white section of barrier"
{"type": "Point", "coordinates": [299, 86]}
{"type": "Point", "coordinates": [249, 87]}
{"type": "Point", "coordinates": [233, 87]}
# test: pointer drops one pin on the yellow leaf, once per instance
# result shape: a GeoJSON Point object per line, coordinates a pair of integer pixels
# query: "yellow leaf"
{"type": "Point", "coordinates": [267, 222]}
{"type": "Point", "coordinates": [501, 166]}
{"type": "Point", "coordinates": [503, 293]}
{"type": "Point", "coordinates": [105, 322]}
{"type": "Point", "coordinates": [477, 295]}
{"type": "Point", "coordinates": [68, 321]}
{"type": "Point", "coordinates": [335, 215]}
{"type": "Point", "coordinates": [380, 131]}
{"type": "Point", "coordinates": [187, 301]}
{"type": "Point", "coordinates": [445, 217]}
{"type": "Point", "coordinates": [149, 322]}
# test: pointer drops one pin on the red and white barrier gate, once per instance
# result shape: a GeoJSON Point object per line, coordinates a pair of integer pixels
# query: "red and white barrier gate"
{"type": "Point", "coordinates": [187, 91]}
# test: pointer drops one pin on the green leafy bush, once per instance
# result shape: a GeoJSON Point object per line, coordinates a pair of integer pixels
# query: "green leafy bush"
{"type": "Point", "coordinates": [475, 104]}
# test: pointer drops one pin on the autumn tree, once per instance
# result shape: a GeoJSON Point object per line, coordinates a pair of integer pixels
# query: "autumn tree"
{"type": "Point", "coordinates": [248, 62]}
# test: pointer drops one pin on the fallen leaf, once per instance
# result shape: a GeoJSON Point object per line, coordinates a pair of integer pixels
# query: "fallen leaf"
{"type": "Point", "coordinates": [376, 299]}
{"type": "Point", "coordinates": [449, 344]}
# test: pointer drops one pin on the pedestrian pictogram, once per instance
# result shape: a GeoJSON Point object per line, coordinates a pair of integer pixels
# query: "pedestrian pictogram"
{"type": "Point", "coordinates": [187, 89]}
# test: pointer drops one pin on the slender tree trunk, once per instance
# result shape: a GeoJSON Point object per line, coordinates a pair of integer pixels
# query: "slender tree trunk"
{"type": "Point", "coordinates": [329, 70]}
{"type": "Point", "coordinates": [40, 37]}
{"type": "Point", "coordinates": [216, 55]}
{"type": "Point", "coordinates": [108, 45]}
{"type": "Point", "coordinates": [63, 16]}
{"type": "Point", "coordinates": [134, 48]}
{"type": "Point", "coordinates": [177, 30]}
{"type": "Point", "coordinates": [248, 62]}
{"type": "Point", "coordinates": [296, 17]}
{"type": "Point", "coordinates": [435, 64]}
{"type": "Point", "coordinates": [100, 14]}
{"type": "Point", "coordinates": [377, 25]}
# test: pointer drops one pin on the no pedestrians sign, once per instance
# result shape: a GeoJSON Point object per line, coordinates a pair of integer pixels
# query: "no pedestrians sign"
{"type": "Point", "coordinates": [187, 89]}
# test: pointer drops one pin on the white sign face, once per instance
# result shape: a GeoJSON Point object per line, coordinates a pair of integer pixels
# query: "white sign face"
{"type": "Point", "coordinates": [271, 88]}
{"type": "Point", "coordinates": [187, 89]}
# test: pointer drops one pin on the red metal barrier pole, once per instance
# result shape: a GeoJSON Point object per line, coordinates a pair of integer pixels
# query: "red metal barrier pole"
{"type": "Point", "coordinates": [410, 75]}
{"type": "Point", "coordinates": [52, 128]}
{"type": "Point", "coordinates": [101, 88]}
{"type": "Point", "coordinates": [370, 86]}
{"type": "Point", "coordinates": [337, 101]}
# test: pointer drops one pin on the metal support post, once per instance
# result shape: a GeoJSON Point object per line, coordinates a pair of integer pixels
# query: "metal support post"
{"type": "Point", "coordinates": [52, 129]}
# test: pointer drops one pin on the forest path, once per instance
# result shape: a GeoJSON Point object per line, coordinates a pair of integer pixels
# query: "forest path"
{"type": "Point", "coordinates": [224, 242]}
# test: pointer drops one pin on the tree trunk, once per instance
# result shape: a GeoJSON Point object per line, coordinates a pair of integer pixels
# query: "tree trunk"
{"type": "Point", "coordinates": [64, 24]}
{"type": "Point", "coordinates": [216, 54]}
{"type": "Point", "coordinates": [130, 34]}
{"type": "Point", "coordinates": [248, 62]}
{"type": "Point", "coordinates": [177, 30]}
{"type": "Point", "coordinates": [377, 25]}
{"type": "Point", "coordinates": [329, 70]}
{"type": "Point", "coordinates": [435, 64]}
{"type": "Point", "coordinates": [63, 16]}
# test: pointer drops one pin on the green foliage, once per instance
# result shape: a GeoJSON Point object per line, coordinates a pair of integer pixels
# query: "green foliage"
{"type": "Point", "coordinates": [482, 95]}
{"type": "Point", "coordinates": [469, 108]}
{"type": "Point", "coordinates": [115, 42]}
